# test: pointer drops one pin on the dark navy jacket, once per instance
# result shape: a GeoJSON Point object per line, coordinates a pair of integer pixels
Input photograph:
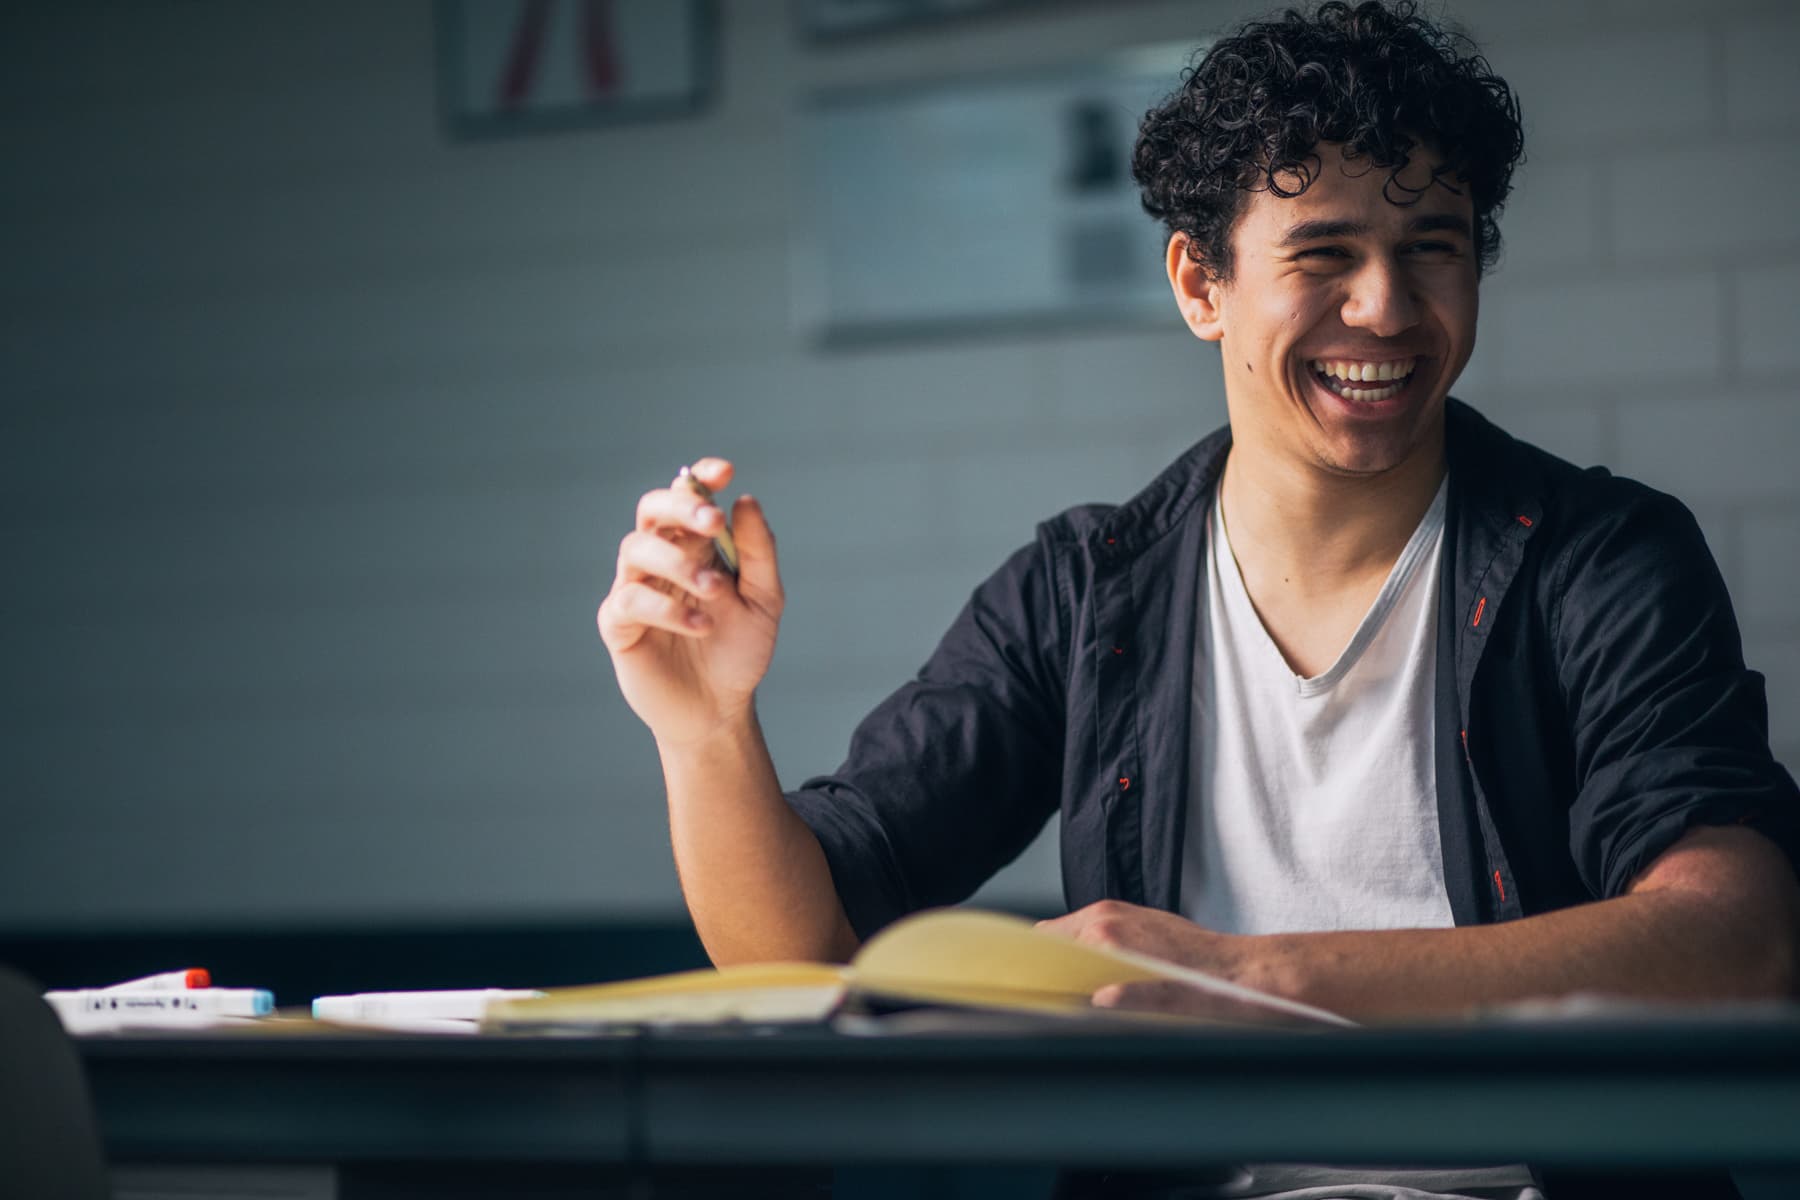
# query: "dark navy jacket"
{"type": "Point", "coordinates": [1592, 701]}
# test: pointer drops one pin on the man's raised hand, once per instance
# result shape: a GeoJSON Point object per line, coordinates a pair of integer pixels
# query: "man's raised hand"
{"type": "Point", "coordinates": [688, 642]}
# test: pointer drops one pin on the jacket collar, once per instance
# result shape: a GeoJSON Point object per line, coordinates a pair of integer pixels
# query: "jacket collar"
{"type": "Point", "coordinates": [1184, 488]}
{"type": "Point", "coordinates": [1499, 483]}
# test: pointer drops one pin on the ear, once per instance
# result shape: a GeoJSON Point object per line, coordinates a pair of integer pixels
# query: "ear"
{"type": "Point", "coordinates": [1198, 294]}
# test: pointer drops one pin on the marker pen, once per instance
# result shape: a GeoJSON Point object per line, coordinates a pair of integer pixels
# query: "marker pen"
{"type": "Point", "coordinates": [168, 981]}
{"type": "Point", "coordinates": [433, 1025]}
{"type": "Point", "coordinates": [80, 1023]}
{"type": "Point", "coordinates": [218, 1002]}
{"type": "Point", "coordinates": [466, 1005]}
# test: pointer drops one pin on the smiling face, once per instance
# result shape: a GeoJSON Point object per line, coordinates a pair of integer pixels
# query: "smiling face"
{"type": "Point", "coordinates": [1346, 317]}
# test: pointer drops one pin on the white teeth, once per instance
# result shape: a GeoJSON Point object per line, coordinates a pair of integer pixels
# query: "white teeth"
{"type": "Point", "coordinates": [1369, 395]}
{"type": "Point", "coordinates": [1364, 372]}
{"type": "Point", "coordinates": [1341, 376]}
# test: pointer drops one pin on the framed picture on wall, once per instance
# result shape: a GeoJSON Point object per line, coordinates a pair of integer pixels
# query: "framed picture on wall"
{"type": "Point", "coordinates": [1004, 200]}
{"type": "Point", "coordinates": [526, 66]}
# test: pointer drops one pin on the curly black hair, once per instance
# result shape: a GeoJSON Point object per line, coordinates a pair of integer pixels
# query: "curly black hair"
{"type": "Point", "coordinates": [1380, 81]}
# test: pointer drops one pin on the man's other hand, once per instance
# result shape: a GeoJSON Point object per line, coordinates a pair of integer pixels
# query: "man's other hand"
{"type": "Point", "coordinates": [1113, 924]}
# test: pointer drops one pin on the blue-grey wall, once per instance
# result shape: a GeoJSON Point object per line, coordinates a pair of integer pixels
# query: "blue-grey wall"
{"type": "Point", "coordinates": [318, 430]}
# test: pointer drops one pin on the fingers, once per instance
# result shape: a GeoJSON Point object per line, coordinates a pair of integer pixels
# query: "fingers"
{"type": "Point", "coordinates": [715, 473]}
{"type": "Point", "coordinates": [634, 608]}
{"type": "Point", "coordinates": [1173, 998]}
{"type": "Point", "coordinates": [687, 565]}
{"type": "Point", "coordinates": [1100, 921]}
{"type": "Point", "coordinates": [1164, 996]}
{"type": "Point", "coordinates": [680, 508]}
{"type": "Point", "coordinates": [660, 584]}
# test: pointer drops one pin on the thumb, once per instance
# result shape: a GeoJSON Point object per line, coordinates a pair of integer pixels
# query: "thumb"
{"type": "Point", "coordinates": [758, 573]}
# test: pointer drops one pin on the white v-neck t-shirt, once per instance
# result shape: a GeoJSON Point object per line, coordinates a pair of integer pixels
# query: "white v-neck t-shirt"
{"type": "Point", "coordinates": [1313, 801]}
{"type": "Point", "coordinates": [1313, 807]}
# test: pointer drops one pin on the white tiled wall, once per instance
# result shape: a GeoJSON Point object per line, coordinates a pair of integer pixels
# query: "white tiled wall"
{"type": "Point", "coordinates": [319, 430]}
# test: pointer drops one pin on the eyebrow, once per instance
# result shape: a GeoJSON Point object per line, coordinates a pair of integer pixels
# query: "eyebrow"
{"type": "Point", "coordinates": [1313, 231]}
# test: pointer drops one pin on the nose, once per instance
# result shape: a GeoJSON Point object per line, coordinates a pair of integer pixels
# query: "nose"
{"type": "Point", "coordinates": [1381, 299]}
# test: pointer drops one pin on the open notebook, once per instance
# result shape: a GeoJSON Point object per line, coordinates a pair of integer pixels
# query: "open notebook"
{"type": "Point", "coordinates": [949, 958]}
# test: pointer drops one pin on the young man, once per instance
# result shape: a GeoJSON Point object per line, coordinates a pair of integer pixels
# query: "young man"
{"type": "Point", "coordinates": [1361, 702]}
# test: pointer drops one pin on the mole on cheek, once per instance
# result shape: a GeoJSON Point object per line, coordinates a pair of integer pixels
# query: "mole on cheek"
{"type": "Point", "coordinates": [1249, 368]}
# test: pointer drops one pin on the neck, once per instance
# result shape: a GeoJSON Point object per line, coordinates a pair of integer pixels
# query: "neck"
{"type": "Point", "coordinates": [1322, 530]}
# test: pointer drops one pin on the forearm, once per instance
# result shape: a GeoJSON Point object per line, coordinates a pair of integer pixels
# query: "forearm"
{"type": "Point", "coordinates": [755, 879]}
{"type": "Point", "coordinates": [1653, 945]}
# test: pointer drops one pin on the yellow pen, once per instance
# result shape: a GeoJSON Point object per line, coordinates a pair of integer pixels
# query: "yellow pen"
{"type": "Point", "coordinates": [723, 547]}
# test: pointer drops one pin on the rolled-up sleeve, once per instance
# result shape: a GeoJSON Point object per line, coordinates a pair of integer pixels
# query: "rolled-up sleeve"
{"type": "Point", "coordinates": [953, 775]}
{"type": "Point", "coordinates": [1670, 727]}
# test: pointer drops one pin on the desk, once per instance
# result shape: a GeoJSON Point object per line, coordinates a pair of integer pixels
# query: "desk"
{"type": "Point", "coordinates": [1634, 1095]}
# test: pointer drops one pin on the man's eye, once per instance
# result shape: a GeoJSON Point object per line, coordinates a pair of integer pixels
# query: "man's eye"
{"type": "Point", "coordinates": [1322, 252]}
{"type": "Point", "coordinates": [1432, 248]}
